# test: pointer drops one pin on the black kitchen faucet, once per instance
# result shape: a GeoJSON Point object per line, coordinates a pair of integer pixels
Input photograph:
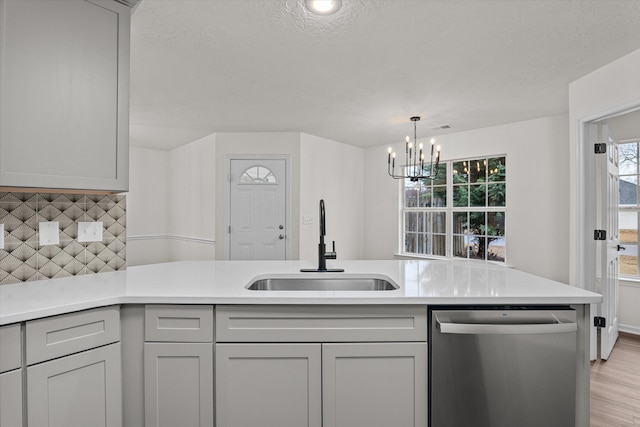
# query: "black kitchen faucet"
{"type": "Point", "coordinates": [323, 255]}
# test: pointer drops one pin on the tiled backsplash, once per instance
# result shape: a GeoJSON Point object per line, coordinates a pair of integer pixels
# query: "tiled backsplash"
{"type": "Point", "coordinates": [24, 259]}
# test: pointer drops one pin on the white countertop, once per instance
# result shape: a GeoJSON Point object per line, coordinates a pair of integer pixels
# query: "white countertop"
{"type": "Point", "coordinates": [223, 282]}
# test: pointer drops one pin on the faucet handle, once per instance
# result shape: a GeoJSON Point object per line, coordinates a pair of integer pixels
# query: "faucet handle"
{"type": "Point", "coordinates": [332, 254]}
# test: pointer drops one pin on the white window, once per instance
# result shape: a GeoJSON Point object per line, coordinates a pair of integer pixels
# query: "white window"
{"type": "Point", "coordinates": [461, 213]}
{"type": "Point", "coordinates": [629, 209]}
{"type": "Point", "coordinates": [258, 175]}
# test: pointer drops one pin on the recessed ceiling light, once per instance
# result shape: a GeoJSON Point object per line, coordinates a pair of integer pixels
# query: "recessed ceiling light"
{"type": "Point", "coordinates": [323, 7]}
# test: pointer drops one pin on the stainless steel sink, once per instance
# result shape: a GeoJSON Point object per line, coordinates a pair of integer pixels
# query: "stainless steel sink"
{"type": "Point", "coordinates": [322, 284]}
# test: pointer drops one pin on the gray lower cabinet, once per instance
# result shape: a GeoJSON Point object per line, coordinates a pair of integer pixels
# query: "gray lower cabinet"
{"type": "Point", "coordinates": [374, 384]}
{"type": "Point", "coordinates": [83, 389]}
{"type": "Point", "coordinates": [11, 398]}
{"type": "Point", "coordinates": [178, 384]}
{"type": "Point", "coordinates": [268, 385]}
{"type": "Point", "coordinates": [64, 105]}
{"type": "Point", "coordinates": [313, 385]}
{"type": "Point", "coordinates": [10, 376]}
{"type": "Point", "coordinates": [178, 365]}
{"type": "Point", "coordinates": [352, 371]}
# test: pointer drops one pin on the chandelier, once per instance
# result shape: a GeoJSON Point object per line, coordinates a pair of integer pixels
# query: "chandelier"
{"type": "Point", "coordinates": [414, 165]}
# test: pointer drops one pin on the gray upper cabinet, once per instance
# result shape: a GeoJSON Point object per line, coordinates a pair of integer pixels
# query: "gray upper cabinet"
{"type": "Point", "coordinates": [64, 94]}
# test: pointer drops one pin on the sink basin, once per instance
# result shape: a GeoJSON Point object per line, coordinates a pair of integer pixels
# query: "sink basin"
{"type": "Point", "coordinates": [322, 284]}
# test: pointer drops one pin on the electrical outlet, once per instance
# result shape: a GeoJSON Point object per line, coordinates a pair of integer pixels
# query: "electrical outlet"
{"type": "Point", "coordinates": [49, 233]}
{"type": "Point", "coordinates": [1, 236]}
{"type": "Point", "coordinates": [90, 231]}
{"type": "Point", "coordinates": [307, 220]}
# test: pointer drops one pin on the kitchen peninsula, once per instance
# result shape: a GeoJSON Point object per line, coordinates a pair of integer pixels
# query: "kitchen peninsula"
{"type": "Point", "coordinates": [204, 311]}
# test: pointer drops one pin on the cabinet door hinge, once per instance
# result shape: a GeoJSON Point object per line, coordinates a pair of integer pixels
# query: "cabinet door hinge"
{"type": "Point", "coordinates": [600, 148]}
{"type": "Point", "coordinates": [599, 235]}
{"type": "Point", "coordinates": [229, 229]}
{"type": "Point", "coordinates": [599, 322]}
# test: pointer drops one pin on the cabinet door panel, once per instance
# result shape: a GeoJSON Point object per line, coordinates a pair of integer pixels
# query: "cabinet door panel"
{"type": "Point", "coordinates": [84, 389]}
{"type": "Point", "coordinates": [178, 384]}
{"type": "Point", "coordinates": [64, 101]}
{"type": "Point", "coordinates": [374, 385]}
{"type": "Point", "coordinates": [268, 385]}
{"type": "Point", "coordinates": [11, 399]}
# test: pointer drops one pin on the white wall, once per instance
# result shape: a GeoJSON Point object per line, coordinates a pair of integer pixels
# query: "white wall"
{"type": "Point", "coordinates": [537, 192]}
{"type": "Point", "coordinates": [147, 215]}
{"type": "Point", "coordinates": [334, 172]}
{"type": "Point", "coordinates": [600, 93]}
{"type": "Point", "coordinates": [171, 203]}
{"type": "Point", "coordinates": [612, 88]}
{"type": "Point", "coordinates": [191, 201]}
{"type": "Point", "coordinates": [381, 206]}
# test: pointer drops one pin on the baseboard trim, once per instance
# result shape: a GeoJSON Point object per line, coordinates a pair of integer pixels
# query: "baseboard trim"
{"type": "Point", "coordinates": [171, 237]}
{"type": "Point", "coordinates": [635, 330]}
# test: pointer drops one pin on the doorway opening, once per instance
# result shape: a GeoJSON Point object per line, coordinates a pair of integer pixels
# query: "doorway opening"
{"type": "Point", "coordinates": [599, 260]}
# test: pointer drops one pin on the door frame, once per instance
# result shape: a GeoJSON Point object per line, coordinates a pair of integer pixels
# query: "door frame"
{"type": "Point", "coordinates": [586, 208]}
{"type": "Point", "coordinates": [227, 196]}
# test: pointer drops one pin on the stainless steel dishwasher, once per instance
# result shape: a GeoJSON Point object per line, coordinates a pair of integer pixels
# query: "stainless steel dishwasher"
{"type": "Point", "coordinates": [502, 367]}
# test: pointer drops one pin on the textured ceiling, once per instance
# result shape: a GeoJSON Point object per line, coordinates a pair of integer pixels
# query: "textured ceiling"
{"type": "Point", "coordinates": [205, 66]}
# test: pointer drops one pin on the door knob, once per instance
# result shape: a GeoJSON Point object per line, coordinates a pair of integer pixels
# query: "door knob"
{"type": "Point", "coordinates": [281, 236]}
{"type": "Point", "coordinates": [281, 227]}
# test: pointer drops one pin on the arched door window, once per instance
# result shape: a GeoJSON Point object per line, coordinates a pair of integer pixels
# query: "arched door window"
{"type": "Point", "coordinates": [258, 175]}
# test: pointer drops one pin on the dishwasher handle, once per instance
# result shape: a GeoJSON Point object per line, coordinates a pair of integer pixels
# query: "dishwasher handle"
{"type": "Point", "coordinates": [505, 328]}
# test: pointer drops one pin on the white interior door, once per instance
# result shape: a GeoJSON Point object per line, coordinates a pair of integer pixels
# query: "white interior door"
{"type": "Point", "coordinates": [609, 255]}
{"type": "Point", "coordinates": [258, 209]}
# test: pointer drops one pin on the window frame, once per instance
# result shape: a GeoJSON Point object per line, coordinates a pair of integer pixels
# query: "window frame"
{"type": "Point", "coordinates": [449, 211]}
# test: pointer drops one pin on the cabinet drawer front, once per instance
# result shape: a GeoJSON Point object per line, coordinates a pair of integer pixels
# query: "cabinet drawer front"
{"type": "Point", "coordinates": [320, 323]}
{"type": "Point", "coordinates": [178, 323]}
{"type": "Point", "coordinates": [10, 349]}
{"type": "Point", "coordinates": [66, 334]}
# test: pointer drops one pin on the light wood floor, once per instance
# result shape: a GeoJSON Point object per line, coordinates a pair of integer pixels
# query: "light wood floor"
{"type": "Point", "coordinates": [615, 386]}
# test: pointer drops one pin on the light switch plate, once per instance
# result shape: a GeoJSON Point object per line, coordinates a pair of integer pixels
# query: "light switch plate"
{"type": "Point", "coordinates": [49, 233]}
{"type": "Point", "coordinates": [1, 236]}
{"type": "Point", "coordinates": [90, 231]}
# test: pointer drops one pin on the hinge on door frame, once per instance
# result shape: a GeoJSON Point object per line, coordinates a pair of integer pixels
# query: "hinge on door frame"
{"type": "Point", "coordinates": [229, 229]}
{"type": "Point", "coordinates": [600, 148]}
{"type": "Point", "coordinates": [599, 322]}
{"type": "Point", "coordinates": [599, 234]}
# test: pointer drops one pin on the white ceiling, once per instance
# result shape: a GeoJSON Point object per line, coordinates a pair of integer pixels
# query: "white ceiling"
{"type": "Point", "coordinates": [205, 66]}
